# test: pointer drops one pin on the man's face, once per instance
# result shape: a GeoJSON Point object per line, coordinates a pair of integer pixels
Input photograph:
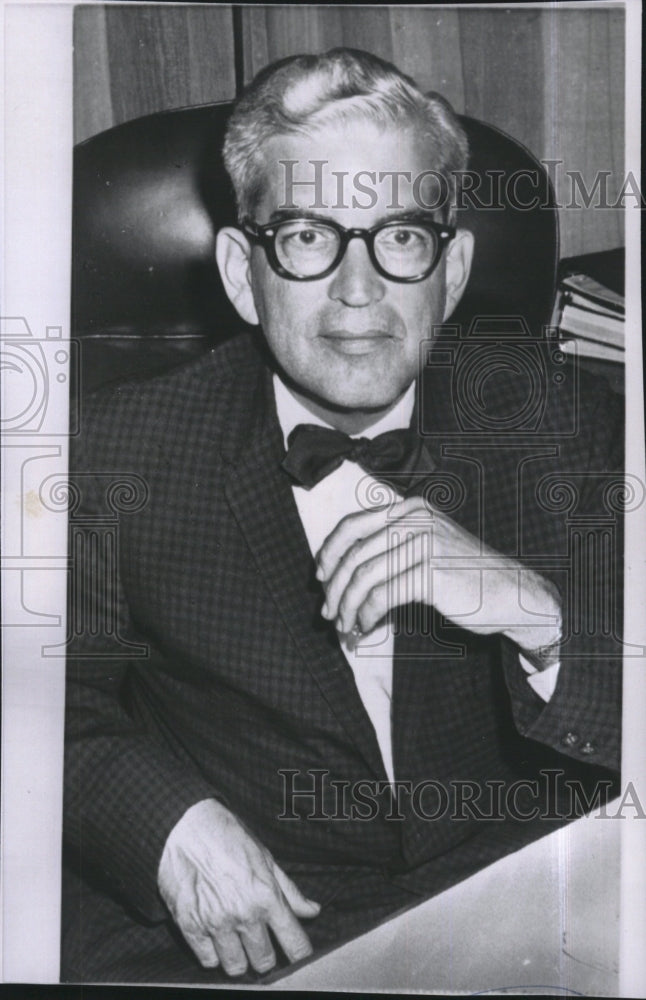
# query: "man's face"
{"type": "Point", "coordinates": [349, 340]}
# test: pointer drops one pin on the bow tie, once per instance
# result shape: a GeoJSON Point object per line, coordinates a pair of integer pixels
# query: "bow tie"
{"type": "Point", "coordinates": [396, 457]}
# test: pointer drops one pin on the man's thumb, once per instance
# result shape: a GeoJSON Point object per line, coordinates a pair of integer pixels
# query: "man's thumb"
{"type": "Point", "coordinates": [301, 906]}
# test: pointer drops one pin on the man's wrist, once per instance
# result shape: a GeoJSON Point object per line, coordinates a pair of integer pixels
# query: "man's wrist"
{"type": "Point", "coordinates": [543, 656]}
{"type": "Point", "coordinates": [184, 830]}
{"type": "Point", "coordinates": [541, 645]}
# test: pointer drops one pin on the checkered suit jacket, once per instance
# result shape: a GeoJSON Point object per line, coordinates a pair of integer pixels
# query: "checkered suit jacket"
{"type": "Point", "coordinates": [208, 670]}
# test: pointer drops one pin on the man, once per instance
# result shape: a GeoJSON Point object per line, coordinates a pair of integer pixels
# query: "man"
{"type": "Point", "coordinates": [346, 642]}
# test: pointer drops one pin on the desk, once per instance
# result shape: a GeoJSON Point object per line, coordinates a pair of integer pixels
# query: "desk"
{"type": "Point", "coordinates": [546, 916]}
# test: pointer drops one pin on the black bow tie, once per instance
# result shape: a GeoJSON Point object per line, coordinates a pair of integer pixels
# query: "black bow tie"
{"type": "Point", "coordinates": [398, 458]}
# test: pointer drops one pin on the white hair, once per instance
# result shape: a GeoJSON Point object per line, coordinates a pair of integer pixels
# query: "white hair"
{"type": "Point", "coordinates": [302, 93]}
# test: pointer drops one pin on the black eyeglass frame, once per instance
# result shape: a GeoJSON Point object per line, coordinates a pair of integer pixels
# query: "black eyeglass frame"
{"type": "Point", "coordinates": [266, 237]}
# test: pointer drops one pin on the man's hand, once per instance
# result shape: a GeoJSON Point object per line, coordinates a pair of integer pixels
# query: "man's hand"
{"type": "Point", "coordinates": [224, 889]}
{"type": "Point", "coordinates": [376, 561]}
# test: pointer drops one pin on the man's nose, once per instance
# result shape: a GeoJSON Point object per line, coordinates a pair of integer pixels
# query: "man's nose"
{"type": "Point", "coordinates": [355, 282]}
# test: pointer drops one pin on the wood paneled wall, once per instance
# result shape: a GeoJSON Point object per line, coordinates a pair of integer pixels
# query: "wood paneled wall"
{"type": "Point", "coordinates": [131, 61]}
{"type": "Point", "coordinates": [583, 105]}
{"type": "Point", "coordinates": [552, 78]}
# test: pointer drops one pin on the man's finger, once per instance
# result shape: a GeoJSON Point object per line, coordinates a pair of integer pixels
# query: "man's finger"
{"type": "Point", "coordinates": [203, 948]}
{"type": "Point", "coordinates": [258, 946]}
{"type": "Point", "coordinates": [405, 588]}
{"type": "Point", "coordinates": [356, 526]}
{"type": "Point", "coordinates": [291, 936]}
{"type": "Point", "coordinates": [358, 554]}
{"type": "Point", "coordinates": [231, 953]}
{"type": "Point", "coordinates": [300, 904]}
{"type": "Point", "coordinates": [383, 583]}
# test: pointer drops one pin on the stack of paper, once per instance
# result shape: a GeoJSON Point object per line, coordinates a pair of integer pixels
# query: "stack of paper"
{"type": "Point", "coordinates": [590, 317]}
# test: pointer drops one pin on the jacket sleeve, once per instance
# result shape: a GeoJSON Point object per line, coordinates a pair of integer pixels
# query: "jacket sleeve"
{"type": "Point", "coordinates": [583, 717]}
{"type": "Point", "coordinates": [124, 791]}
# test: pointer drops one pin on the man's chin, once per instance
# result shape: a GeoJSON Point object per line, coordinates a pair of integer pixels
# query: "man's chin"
{"type": "Point", "coordinates": [338, 394]}
{"type": "Point", "coordinates": [359, 400]}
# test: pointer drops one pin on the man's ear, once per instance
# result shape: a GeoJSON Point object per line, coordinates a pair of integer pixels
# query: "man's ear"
{"type": "Point", "coordinates": [232, 253]}
{"type": "Point", "coordinates": [459, 255]}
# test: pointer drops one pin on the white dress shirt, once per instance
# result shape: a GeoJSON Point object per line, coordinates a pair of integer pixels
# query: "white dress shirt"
{"type": "Point", "coordinates": [345, 491]}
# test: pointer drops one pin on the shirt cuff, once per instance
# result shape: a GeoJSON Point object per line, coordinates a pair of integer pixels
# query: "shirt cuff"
{"type": "Point", "coordinates": [543, 682]}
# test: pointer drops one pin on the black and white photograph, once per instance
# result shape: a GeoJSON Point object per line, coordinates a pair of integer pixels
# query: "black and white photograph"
{"type": "Point", "coordinates": [324, 533]}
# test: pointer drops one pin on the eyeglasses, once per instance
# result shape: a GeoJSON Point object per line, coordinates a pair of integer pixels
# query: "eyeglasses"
{"type": "Point", "coordinates": [303, 249]}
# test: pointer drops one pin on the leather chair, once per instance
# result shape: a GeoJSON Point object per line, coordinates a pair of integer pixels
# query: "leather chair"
{"type": "Point", "coordinates": [150, 194]}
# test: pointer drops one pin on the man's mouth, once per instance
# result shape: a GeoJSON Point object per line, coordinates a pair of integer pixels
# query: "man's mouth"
{"type": "Point", "coordinates": [351, 342]}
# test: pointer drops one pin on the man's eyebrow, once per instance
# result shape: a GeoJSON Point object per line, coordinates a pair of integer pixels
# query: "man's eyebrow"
{"type": "Point", "coordinates": [414, 215]}
{"type": "Point", "coordinates": [285, 214]}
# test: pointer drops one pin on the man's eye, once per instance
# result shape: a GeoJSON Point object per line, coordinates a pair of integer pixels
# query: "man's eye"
{"type": "Point", "coordinates": [405, 237]}
{"type": "Point", "coordinates": [306, 237]}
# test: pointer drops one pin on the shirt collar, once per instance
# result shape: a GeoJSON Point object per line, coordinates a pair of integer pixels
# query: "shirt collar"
{"type": "Point", "coordinates": [291, 412]}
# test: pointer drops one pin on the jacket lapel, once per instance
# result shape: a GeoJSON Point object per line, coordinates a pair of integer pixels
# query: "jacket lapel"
{"type": "Point", "coordinates": [261, 499]}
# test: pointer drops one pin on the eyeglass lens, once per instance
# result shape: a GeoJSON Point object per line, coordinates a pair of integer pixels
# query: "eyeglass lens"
{"type": "Point", "coordinates": [306, 248]}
